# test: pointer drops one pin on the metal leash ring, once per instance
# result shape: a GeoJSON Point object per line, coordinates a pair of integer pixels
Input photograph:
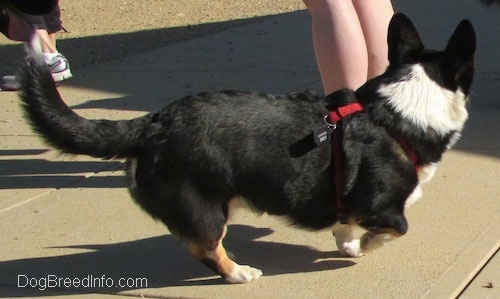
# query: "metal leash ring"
{"type": "Point", "coordinates": [330, 125]}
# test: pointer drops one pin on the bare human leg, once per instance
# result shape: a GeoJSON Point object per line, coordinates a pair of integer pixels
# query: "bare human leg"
{"type": "Point", "coordinates": [350, 40]}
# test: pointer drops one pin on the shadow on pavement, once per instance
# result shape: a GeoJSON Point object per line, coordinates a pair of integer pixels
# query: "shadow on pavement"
{"type": "Point", "coordinates": [40, 173]}
{"type": "Point", "coordinates": [163, 262]}
{"type": "Point", "coordinates": [97, 49]}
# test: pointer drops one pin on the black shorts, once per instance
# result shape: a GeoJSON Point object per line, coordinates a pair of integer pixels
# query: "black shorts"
{"type": "Point", "coordinates": [51, 21]}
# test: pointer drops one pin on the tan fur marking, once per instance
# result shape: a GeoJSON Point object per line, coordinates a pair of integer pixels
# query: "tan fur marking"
{"type": "Point", "coordinates": [217, 255]}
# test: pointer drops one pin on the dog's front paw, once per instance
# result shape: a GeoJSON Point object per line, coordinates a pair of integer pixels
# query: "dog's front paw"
{"type": "Point", "coordinates": [348, 239]}
{"type": "Point", "coordinates": [243, 274]}
{"type": "Point", "coordinates": [351, 248]}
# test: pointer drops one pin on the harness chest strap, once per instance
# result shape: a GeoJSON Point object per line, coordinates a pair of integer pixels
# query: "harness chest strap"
{"type": "Point", "coordinates": [335, 116]}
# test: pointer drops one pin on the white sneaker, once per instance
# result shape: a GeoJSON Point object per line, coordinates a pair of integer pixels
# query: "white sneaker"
{"type": "Point", "coordinates": [10, 83]}
{"type": "Point", "coordinates": [59, 67]}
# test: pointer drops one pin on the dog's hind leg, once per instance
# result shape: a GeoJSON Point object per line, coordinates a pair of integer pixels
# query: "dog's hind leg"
{"type": "Point", "coordinates": [194, 208]}
{"type": "Point", "coordinates": [215, 257]}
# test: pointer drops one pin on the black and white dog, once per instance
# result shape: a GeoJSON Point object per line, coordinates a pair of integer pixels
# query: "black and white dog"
{"type": "Point", "coordinates": [188, 162]}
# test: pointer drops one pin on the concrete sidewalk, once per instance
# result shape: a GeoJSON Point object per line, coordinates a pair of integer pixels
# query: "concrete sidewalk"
{"type": "Point", "coordinates": [71, 217]}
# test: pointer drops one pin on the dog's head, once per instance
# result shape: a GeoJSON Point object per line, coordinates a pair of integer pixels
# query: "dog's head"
{"type": "Point", "coordinates": [433, 86]}
{"type": "Point", "coordinates": [422, 96]}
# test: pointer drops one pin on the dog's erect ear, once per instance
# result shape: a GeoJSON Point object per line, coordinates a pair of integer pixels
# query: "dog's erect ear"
{"type": "Point", "coordinates": [460, 56]}
{"type": "Point", "coordinates": [403, 39]}
{"type": "Point", "coordinates": [462, 43]}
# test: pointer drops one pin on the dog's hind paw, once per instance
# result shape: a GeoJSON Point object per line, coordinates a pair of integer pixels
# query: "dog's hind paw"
{"type": "Point", "coordinates": [243, 274]}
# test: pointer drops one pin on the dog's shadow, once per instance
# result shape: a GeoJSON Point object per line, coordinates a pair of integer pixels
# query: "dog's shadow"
{"type": "Point", "coordinates": [164, 262]}
{"type": "Point", "coordinates": [278, 258]}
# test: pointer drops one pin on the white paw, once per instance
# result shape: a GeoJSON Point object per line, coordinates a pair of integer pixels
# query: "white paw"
{"type": "Point", "coordinates": [348, 238]}
{"type": "Point", "coordinates": [351, 248]}
{"type": "Point", "coordinates": [243, 274]}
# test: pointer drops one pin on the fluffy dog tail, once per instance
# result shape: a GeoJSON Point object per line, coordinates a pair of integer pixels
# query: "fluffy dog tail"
{"type": "Point", "coordinates": [62, 128]}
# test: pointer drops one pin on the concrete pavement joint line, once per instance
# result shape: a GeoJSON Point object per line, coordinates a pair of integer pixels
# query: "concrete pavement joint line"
{"type": "Point", "coordinates": [27, 200]}
{"type": "Point", "coordinates": [468, 279]}
{"type": "Point", "coordinates": [86, 176]}
{"type": "Point", "coordinates": [461, 273]}
{"type": "Point", "coordinates": [481, 269]}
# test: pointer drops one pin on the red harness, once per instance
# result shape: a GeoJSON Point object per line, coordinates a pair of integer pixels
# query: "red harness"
{"type": "Point", "coordinates": [335, 117]}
